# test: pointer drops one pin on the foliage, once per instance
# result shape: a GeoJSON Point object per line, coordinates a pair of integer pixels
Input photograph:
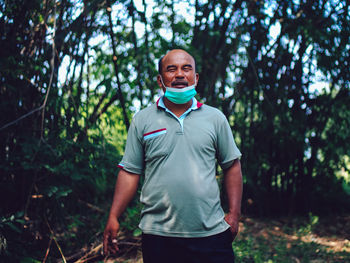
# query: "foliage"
{"type": "Point", "coordinates": [67, 180]}
{"type": "Point", "coordinates": [270, 241]}
{"type": "Point", "coordinates": [72, 73]}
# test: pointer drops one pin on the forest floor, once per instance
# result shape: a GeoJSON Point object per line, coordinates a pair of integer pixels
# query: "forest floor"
{"type": "Point", "coordinates": [309, 239]}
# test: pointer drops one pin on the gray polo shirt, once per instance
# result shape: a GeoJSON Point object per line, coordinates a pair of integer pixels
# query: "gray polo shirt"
{"type": "Point", "coordinates": [177, 156]}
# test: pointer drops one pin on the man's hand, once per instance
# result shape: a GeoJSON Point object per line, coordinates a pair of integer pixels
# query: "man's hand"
{"type": "Point", "coordinates": [125, 189]}
{"type": "Point", "coordinates": [233, 221]}
{"type": "Point", "coordinates": [110, 243]}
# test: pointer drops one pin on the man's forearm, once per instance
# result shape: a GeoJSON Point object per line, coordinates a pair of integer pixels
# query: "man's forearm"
{"type": "Point", "coordinates": [234, 188]}
{"type": "Point", "coordinates": [125, 189]}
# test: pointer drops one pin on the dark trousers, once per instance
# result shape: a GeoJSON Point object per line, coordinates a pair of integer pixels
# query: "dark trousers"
{"type": "Point", "coordinates": [211, 249]}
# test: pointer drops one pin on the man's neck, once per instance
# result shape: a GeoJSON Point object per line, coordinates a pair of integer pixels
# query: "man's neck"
{"type": "Point", "coordinates": [177, 109]}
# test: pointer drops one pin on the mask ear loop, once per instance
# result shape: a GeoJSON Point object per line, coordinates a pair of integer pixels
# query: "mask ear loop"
{"type": "Point", "coordinates": [161, 80]}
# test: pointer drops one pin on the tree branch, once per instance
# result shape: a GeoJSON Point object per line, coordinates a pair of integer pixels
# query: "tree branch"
{"type": "Point", "coordinates": [115, 63]}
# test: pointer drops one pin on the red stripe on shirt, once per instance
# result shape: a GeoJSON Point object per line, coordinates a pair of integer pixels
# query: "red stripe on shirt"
{"type": "Point", "coordinates": [164, 129]}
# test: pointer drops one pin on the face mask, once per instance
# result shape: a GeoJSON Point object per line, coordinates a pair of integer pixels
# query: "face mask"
{"type": "Point", "coordinates": [179, 96]}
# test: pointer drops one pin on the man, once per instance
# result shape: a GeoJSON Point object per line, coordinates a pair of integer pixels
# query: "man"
{"type": "Point", "coordinates": [174, 144]}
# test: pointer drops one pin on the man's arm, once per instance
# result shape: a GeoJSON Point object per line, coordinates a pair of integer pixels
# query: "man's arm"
{"type": "Point", "coordinates": [234, 188]}
{"type": "Point", "coordinates": [125, 189]}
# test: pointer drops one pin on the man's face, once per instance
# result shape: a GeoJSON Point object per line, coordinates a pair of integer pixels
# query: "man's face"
{"type": "Point", "coordinates": [178, 70]}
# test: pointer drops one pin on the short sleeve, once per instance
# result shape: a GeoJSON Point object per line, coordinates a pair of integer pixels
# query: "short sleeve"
{"type": "Point", "coordinates": [227, 150]}
{"type": "Point", "coordinates": [133, 159]}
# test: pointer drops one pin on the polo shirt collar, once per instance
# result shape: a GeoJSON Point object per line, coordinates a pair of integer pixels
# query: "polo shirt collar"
{"type": "Point", "coordinates": [195, 104]}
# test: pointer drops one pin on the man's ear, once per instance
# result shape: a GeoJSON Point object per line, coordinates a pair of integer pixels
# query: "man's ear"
{"type": "Point", "coordinates": [197, 78]}
{"type": "Point", "coordinates": [160, 82]}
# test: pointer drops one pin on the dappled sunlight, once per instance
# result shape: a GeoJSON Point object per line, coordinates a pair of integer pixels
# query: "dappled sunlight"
{"type": "Point", "coordinates": [294, 238]}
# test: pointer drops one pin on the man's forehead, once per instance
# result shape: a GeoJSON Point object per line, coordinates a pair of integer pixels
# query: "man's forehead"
{"type": "Point", "coordinates": [177, 56]}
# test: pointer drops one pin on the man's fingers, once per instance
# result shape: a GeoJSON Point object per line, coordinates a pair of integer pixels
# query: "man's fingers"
{"type": "Point", "coordinates": [110, 242]}
{"type": "Point", "coordinates": [234, 230]}
{"type": "Point", "coordinates": [113, 246]}
{"type": "Point", "coordinates": [113, 237]}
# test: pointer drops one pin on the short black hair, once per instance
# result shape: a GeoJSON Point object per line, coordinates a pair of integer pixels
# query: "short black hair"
{"type": "Point", "coordinates": [160, 65]}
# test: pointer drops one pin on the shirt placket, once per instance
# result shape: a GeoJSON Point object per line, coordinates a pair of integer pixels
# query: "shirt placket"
{"type": "Point", "coordinates": [180, 119]}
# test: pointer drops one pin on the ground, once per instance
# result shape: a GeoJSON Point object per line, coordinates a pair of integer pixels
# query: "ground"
{"type": "Point", "coordinates": [304, 239]}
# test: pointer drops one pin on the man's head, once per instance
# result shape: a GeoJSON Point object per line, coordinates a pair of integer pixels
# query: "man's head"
{"type": "Point", "coordinates": [177, 69]}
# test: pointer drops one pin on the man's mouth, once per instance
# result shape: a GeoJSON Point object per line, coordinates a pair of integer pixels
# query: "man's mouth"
{"type": "Point", "coordinates": [179, 84]}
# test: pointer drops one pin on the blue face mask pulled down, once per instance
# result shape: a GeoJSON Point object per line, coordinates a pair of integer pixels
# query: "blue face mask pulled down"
{"type": "Point", "coordinates": [179, 96]}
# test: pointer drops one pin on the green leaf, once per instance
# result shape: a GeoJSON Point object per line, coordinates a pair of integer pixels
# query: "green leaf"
{"type": "Point", "coordinates": [137, 232]}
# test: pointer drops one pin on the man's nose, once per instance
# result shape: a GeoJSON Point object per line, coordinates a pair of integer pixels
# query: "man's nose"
{"type": "Point", "coordinates": [179, 74]}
